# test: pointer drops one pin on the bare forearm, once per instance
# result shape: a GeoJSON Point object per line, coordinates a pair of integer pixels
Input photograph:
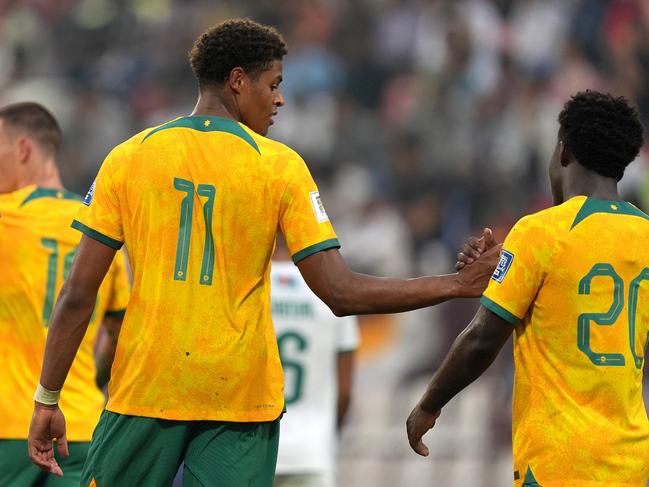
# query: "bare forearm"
{"type": "Point", "coordinates": [362, 294]}
{"type": "Point", "coordinates": [351, 293]}
{"type": "Point", "coordinates": [67, 328]}
{"type": "Point", "coordinates": [473, 351]}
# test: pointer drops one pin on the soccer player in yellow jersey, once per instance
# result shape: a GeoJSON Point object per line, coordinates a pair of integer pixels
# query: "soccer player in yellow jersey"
{"type": "Point", "coordinates": [573, 285]}
{"type": "Point", "coordinates": [198, 201]}
{"type": "Point", "coordinates": [36, 249]}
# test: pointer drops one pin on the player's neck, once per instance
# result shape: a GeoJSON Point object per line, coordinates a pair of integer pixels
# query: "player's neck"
{"type": "Point", "coordinates": [593, 186]}
{"type": "Point", "coordinates": [44, 175]}
{"type": "Point", "coordinates": [212, 103]}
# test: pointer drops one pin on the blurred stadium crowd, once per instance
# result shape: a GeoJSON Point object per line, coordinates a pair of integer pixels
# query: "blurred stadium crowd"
{"type": "Point", "coordinates": [421, 120]}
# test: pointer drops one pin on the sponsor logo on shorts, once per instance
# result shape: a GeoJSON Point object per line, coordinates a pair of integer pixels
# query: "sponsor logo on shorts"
{"type": "Point", "coordinates": [318, 207]}
{"type": "Point", "coordinates": [89, 195]}
{"type": "Point", "coordinates": [505, 262]}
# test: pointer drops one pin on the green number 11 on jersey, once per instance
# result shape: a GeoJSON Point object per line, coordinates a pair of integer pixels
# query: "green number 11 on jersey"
{"type": "Point", "coordinates": [185, 230]}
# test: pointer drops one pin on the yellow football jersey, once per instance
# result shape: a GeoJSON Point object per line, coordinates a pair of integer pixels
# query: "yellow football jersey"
{"type": "Point", "coordinates": [199, 201]}
{"type": "Point", "coordinates": [37, 246]}
{"type": "Point", "coordinates": [575, 281]}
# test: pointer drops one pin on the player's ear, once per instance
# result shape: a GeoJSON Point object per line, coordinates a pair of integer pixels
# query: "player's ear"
{"type": "Point", "coordinates": [24, 148]}
{"type": "Point", "coordinates": [236, 80]}
{"type": "Point", "coordinates": [565, 156]}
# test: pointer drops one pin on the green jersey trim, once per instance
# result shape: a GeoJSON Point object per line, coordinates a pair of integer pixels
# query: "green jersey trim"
{"type": "Point", "coordinates": [208, 124]}
{"type": "Point", "coordinates": [332, 243]}
{"type": "Point", "coordinates": [498, 310]}
{"type": "Point", "coordinates": [95, 235]}
{"type": "Point", "coordinates": [117, 313]}
{"type": "Point", "coordinates": [593, 205]}
{"type": "Point", "coordinates": [51, 193]}
{"type": "Point", "coordinates": [529, 480]}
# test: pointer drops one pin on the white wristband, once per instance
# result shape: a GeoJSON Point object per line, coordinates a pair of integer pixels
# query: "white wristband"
{"type": "Point", "coordinates": [45, 396]}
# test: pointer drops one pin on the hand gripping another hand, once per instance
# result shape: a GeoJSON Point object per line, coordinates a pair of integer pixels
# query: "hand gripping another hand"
{"type": "Point", "coordinates": [476, 262]}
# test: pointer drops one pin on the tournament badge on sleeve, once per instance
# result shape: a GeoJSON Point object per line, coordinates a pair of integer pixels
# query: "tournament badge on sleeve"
{"type": "Point", "coordinates": [91, 192]}
{"type": "Point", "coordinates": [505, 262]}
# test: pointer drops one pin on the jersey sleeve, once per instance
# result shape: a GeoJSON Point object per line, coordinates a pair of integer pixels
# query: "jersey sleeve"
{"type": "Point", "coordinates": [100, 215]}
{"type": "Point", "coordinates": [523, 264]}
{"type": "Point", "coordinates": [348, 337]}
{"type": "Point", "coordinates": [303, 219]}
{"type": "Point", "coordinates": [121, 289]}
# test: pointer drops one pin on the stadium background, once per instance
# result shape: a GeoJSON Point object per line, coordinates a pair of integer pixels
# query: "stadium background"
{"type": "Point", "coordinates": [422, 121]}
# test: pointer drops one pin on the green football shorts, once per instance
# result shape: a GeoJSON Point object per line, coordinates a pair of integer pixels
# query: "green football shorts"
{"type": "Point", "coordinates": [17, 470]}
{"type": "Point", "coordinates": [137, 451]}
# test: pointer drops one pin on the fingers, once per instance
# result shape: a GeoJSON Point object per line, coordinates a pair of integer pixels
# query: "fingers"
{"type": "Point", "coordinates": [469, 252]}
{"type": "Point", "coordinates": [41, 454]}
{"type": "Point", "coordinates": [419, 447]}
{"type": "Point", "coordinates": [494, 250]}
{"type": "Point", "coordinates": [62, 446]}
{"type": "Point", "coordinates": [44, 459]}
{"type": "Point", "coordinates": [55, 469]}
{"type": "Point", "coordinates": [473, 247]}
{"type": "Point", "coordinates": [418, 423]}
{"type": "Point", "coordinates": [47, 426]}
{"type": "Point", "coordinates": [489, 240]}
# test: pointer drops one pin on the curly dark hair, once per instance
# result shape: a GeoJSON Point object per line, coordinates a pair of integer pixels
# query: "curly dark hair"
{"type": "Point", "coordinates": [36, 121]}
{"type": "Point", "coordinates": [234, 43]}
{"type": "Point", "coordinates": [603, 132]}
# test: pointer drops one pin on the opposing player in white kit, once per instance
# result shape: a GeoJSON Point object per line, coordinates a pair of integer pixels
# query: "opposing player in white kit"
{"type": "Point", "coordinates": [317, 350]}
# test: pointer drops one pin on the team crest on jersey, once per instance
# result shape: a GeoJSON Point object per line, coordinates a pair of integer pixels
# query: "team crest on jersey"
{"type": "Point", "coordinates": [318, 207]}
{"type": "Point", "coordinates": [505, 262]}
{"type": "Point", "coordinates": [91, 192]}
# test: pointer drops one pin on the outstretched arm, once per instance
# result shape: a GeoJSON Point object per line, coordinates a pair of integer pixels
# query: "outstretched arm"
{"type": "Point", "coordinates": [67, 328]}
{"type": "Point", "coordinates": [350, 293]}
{"type": "Point", "coordinates": [471, 354]}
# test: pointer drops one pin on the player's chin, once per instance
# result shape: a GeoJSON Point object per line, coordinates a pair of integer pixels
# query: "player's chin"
{"type": "Point", "coordinates": [262, 128]}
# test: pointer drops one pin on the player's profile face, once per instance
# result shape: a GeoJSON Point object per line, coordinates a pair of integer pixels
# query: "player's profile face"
{"type": "Point", "coordinates": [262, 99]}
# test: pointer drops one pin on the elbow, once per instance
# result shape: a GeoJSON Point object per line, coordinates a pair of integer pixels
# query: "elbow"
{"type": "Point", "coordinates": [339, 311]}
{"type": "Point", "coordinates": [75, 297]}
{"type": "Point", "coordinates": [479, 352]}
{"type": "Point", "coordinates": [339, 303]}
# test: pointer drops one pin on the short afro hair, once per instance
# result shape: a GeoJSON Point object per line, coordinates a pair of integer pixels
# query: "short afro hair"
{"type": "Point", "coordinates": [36, 121]}
{"type": "Point", "coordinates": [603, 132]}
{"type": "Point", "coordinates": [234, 43]}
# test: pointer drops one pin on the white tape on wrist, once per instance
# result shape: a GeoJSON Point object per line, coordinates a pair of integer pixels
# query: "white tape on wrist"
{"type": "Point", "coordinates": [45, 396]}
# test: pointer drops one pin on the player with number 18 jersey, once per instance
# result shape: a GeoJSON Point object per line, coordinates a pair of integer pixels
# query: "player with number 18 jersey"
{"type": "Point", "coordinates": [36, 250]}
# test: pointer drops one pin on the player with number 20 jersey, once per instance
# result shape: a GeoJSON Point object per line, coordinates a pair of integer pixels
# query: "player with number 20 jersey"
{"type": "Point", "coordinates": [582, 319]}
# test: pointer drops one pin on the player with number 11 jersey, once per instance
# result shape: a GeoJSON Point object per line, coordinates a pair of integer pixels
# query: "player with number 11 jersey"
{"type": "Point", "coordinates": [179, 214]}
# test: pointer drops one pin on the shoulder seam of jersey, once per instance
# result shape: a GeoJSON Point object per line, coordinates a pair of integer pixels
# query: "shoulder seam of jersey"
{"type": "Point", "coordinates": [51, 193]}
{"type": "Point", "coordinates": [593, 205]}
{"type": "Point", "coordinates": [208, 124]}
